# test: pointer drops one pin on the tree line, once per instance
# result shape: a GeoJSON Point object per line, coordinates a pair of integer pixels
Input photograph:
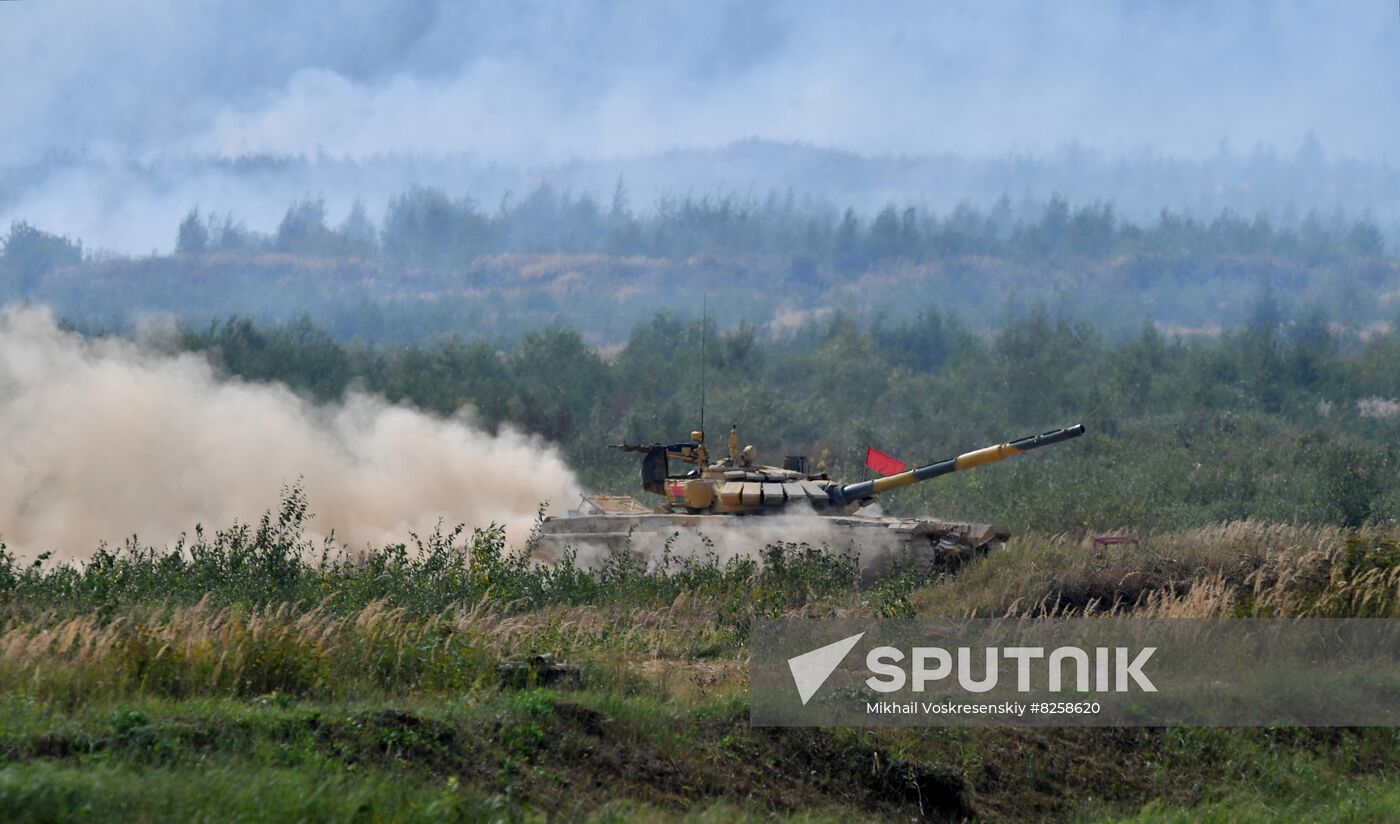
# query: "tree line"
{"type": "Point", "coordinates": [426, 227]}
{"type": "Point", "coordinates": [1276, 419]}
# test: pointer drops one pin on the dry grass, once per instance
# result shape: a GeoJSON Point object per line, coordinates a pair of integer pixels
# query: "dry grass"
{"type": "Point", "coordinates": [1243, 568]}
{"type": "Point", "coordinates": [202, 650]}
{"type": "Point", "coordinates": [379, 650]}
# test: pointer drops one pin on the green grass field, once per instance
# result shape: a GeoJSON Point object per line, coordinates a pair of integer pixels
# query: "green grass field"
{"type": "Point", "coordinates": [238, 680]}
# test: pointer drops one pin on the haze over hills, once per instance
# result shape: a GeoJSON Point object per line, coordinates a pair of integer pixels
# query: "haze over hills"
{"type": "Point", "coordinates": [130, 206]}
{"type": "Point", "coordinates": [117, 127]}
{"type": "Point", "coordinates": [545, 83]}
{"type": "Point", "coordinates": [418, 169]}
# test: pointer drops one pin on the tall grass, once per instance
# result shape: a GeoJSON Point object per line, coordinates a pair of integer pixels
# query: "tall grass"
{"type": "Point", "coordinates": [203, 650]}
{"type": "Point", "coordinates": [260, 610]}
{"type": "Point", "coordinates": [275, 563]}
{"type": "Point", "coordinates": [1237, 569]}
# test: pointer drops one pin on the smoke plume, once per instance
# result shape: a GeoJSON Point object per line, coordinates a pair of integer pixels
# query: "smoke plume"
{"type": "Point", "coordinates": [106, 438]}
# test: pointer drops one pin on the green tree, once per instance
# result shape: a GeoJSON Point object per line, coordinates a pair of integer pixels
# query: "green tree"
{"type": "Point", "coordinates": [558, 380]}
{"type": "Point", "coordinates": [424, 227]}
{"type": "Point", "coordinates": [846, 252]}
{"type": "Point", "coordinates": [303, 229]}
{"type": "Point", "coordinates": [29, 254]}
{"type": "Point", "coordinates": [357, 235]}
{"type": "Point", "coordinates": [192, 238]}
{"type": "Point", "coordinates": [886, 235]}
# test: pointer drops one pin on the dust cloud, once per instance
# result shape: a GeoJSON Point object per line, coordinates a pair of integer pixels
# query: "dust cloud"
{"type": "Point", "coordinates": [105, 438]}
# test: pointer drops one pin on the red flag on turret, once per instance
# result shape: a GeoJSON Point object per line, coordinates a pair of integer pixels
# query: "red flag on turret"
{"type": "Point", "coordinates": [882, 463]}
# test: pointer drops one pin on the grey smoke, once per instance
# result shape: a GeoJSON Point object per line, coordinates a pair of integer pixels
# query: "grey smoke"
{"type": "Point", "coordinates": [549, 81]}
{"type": "Point", "coordinates": [100, 96]}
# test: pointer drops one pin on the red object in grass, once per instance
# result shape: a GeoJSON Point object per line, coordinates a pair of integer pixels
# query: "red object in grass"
{"type": "Point", "coordinates": [882, 463]}
{"type": "Point", "coordinates": [1114, 540]}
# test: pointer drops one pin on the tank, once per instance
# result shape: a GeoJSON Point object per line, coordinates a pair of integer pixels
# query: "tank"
{"type": "Point", "coordinates": [735, 505]}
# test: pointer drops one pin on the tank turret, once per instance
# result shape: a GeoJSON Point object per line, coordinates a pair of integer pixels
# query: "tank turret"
{"type": "Point", "coordinates": [736, 485]}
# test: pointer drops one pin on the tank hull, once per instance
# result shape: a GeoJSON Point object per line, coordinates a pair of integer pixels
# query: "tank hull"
{"type": "Point", "coordinates": [929, 544]}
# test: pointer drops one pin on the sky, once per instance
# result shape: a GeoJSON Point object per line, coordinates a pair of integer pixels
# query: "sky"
{"type": "Point", "coordinates": [90, 88]}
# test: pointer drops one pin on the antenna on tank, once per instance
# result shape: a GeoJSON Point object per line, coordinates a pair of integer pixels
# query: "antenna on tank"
{"type": "Point", "coordinates": [704, 330]}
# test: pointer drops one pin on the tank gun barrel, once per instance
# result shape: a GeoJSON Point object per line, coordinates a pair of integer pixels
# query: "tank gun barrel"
{"type": "Point", "coordinates": [978, 457]}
